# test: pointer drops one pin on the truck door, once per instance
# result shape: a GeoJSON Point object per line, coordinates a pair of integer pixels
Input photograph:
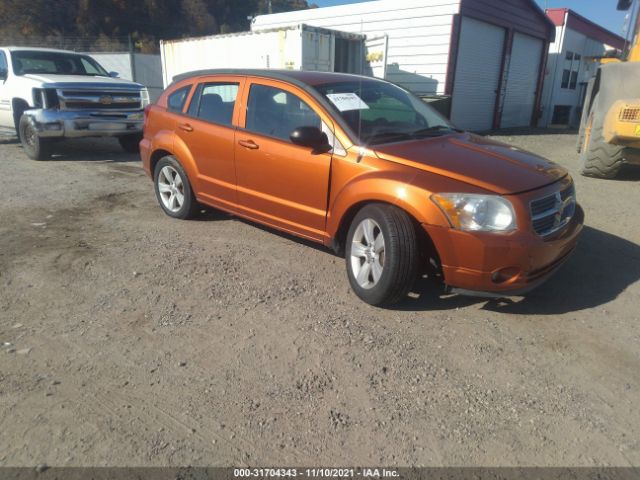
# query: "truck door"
{"type": "Point", "coordinates": [317, 50]}
{"type": "Point", "coordinates": [279, 183]}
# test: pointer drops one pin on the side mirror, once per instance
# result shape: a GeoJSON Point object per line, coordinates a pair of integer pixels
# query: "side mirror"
{"type": "Point", "coordinates": [3, 74]}
{"type": "Point", "coordinates": [311, 137]}
{"type": "Point", "coordinates": [114, 74]}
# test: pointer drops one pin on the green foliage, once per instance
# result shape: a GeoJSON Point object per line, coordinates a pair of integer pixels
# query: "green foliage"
{"type": "Point", "coordinates": [108, 24]}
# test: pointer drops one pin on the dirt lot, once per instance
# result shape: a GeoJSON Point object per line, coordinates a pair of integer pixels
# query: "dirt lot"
{"type": "Point", "coordinates": [136, 339]}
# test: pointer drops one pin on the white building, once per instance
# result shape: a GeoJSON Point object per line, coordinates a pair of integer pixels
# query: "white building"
{"type": "Point", "coordinates": [571, 64]}
{"type": "Point", "coordinates": [488, 55]}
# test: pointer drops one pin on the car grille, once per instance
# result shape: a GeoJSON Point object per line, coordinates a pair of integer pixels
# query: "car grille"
{"type": "Point", "coordinates": [549, 214]}
{"type": "Point", "coordinates": [99, 100]}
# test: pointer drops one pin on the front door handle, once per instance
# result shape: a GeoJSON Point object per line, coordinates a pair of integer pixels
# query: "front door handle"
{"type": "Point", "coordinates": [250, 144]}
{"type": "Point", "coordinates": [186, 127]}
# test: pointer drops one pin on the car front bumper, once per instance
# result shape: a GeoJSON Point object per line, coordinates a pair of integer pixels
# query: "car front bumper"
{"type": "Point", "coordinates": [85, 123]}
{"type": "Point", "coordinates": [486, 264]}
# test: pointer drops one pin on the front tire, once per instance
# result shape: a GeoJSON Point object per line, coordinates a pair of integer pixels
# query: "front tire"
{"type": "Point", "coordinates": [598, 158]}
{"type": "Point", "coordinates": [173, 189]}
{"type": "Point", "coordinates": [130, 143]}
{"type": "Point", "coordinates": [34, 146]}
{"type": "Point", "coordinates": [381, 254]}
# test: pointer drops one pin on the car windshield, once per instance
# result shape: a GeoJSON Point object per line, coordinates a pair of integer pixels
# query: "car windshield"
{"type": "Point", "coordinates": [56, 63]}
{"type": "Point", "coordinates": [380, 112]}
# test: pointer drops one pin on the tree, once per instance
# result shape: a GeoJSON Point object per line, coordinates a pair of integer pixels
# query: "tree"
{"type": "Point", "coordinates": [82, 24]}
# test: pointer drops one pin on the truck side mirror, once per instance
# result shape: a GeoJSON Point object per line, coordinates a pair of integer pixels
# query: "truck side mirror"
{"type": "Point", "coordinates": [311, 137]}
{"type": "Point", "coordinates": [3, 73]}
{"type": "Point", "coordinates": [114, 74]}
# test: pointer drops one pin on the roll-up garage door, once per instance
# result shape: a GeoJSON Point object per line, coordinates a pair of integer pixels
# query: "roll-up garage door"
{"type": "Point", "coordinates": [477, 74]}
{"type": "Point", "coordinates": [522, 81]}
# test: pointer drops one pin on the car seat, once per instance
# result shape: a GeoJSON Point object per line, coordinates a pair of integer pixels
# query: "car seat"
{"type": "Point", "coordinates": [212, 108]}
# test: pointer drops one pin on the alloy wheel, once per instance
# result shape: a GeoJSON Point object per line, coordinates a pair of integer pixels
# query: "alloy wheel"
{"type": "Point", "coordinates": [171, 188]}
{"type": "Point", "coordinates": [367, 253]}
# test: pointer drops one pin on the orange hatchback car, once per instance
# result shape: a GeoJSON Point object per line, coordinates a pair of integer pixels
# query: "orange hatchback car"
{"type": "Point", "coordinates": [365, 167]}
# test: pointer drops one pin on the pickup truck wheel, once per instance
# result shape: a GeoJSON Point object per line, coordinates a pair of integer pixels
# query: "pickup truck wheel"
{"type": "Point", "coordinates": [381, 254]}
{"type": "Point", "coordinates": [173, 189]}
{"type": "Point", "coordinates": [34, 146]}
{"type": "Point", "coordinates": [130, 143]}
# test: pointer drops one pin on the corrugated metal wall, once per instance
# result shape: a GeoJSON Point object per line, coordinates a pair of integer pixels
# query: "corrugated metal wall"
{"type": "Point", "coordinates": [419, 33]}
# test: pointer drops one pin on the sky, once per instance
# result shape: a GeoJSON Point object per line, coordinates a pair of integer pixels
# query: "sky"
{"type": "Point", "coordinates": [602, 12]}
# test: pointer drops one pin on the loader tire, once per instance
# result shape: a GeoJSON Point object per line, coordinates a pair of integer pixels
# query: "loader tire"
{"type": "Point", "coordinates": [598, 158]}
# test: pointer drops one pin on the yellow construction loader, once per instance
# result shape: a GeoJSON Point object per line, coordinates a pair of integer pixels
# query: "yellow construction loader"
{"type": "Point", "coordinates": [610, 124]}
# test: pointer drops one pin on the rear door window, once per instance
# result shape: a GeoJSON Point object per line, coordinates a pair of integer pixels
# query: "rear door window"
{"type": "Point", "coordinates": [177, 99]}
{"type": "Point", "coordinates": [276, 113]}
{"type": "Point", "coordinates": [214, 102]}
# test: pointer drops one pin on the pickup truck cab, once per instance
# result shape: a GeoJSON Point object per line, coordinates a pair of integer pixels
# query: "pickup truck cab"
{"type": "Point", "coordinates": [50, 94]}
{"type": "Point", "coordinates": [365, 167]}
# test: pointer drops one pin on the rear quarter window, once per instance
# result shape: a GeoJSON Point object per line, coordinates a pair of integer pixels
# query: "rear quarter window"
{"type": "Point", "coordinates": [176, 100]}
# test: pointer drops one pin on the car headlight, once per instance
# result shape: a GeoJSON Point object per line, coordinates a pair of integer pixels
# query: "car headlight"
{"type": "Point", "coordinates": [144, 96]}
{"type": "Point", "coordinates": [477, 213]}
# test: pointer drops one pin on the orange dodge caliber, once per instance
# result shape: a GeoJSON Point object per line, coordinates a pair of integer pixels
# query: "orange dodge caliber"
{"type": "Point", "coordinates": [363, 166]}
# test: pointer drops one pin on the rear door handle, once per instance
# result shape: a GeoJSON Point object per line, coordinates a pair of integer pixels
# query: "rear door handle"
{"type": "Point", "coordinates": [186, 127]}
{"type": "Point", "coordinates": [250, 144]}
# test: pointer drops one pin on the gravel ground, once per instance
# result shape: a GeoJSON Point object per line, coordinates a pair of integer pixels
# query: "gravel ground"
{"type": "Point", "coordinates": [135, 339]}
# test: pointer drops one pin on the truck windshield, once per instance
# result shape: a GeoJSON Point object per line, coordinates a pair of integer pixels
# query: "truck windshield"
{"type": "Point", "coordinates": [56, 63]}
{"type": "Point", "coordinates": [380, 112]}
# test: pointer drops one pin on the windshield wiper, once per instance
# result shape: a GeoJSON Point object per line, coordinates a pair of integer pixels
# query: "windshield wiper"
{"type": "Point", "coordinates": [432, 131]}
{"type": "Point", "coordinates": [387, 137]}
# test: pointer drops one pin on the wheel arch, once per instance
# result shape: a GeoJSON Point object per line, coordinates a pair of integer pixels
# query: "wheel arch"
{"type": "Point", "coordinates": [399, 189]}
{"type": "Point", "coordinates": [18, 104]}
{"type": "Point", "coordinates": [426, 246]}
{"type": "Point", "coordinates": [156, 156]}
{"type": "Point", "coordinates": [167, 143]}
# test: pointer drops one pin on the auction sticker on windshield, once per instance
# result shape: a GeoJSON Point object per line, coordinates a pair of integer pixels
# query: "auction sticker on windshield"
{"type": "Point", "coordinates": [347, 101]}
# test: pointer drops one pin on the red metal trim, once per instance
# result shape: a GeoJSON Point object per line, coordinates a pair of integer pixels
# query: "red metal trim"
{"type": "Point", "coordinates": [587, 27]}
{"type": "Point", "coordinates": [503, 78]}
{"type": "Point", "coordinates": [453, 54]}
{"type": "Point", "coordinates": [544, 57]}
{"type": "Point", "coordinates": [581, 24]}
{"type": "Point", "coordinates": [556, 15]}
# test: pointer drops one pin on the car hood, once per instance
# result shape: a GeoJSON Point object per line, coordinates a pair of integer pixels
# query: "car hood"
{"type": "Point", "coordinates": [475, 160]}
{"type": "Point", "coordinates": [51, 80]}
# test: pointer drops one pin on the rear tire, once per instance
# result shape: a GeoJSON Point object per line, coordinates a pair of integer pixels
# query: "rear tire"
{"type": "Point", "coordinates": [130, 143]}
{"type": "Point", "coordinates": [173, 189]}
{"type": "Point", "coordinates": [598, 158]}
{"type": "Point", "coordinates": [381, 254]}
{"type": "Point", "coordinates": [34, 146]}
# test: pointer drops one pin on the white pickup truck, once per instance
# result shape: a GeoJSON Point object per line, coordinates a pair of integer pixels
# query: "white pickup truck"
{"type": "Point", "coordinates": [52, 94]}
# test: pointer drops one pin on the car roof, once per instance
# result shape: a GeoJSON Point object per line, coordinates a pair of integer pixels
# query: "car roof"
{"type": "Point", "coordinates": [297, 77]}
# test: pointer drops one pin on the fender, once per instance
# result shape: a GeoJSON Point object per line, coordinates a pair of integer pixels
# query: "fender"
{"type": "Point", "coordinates": [396, 188]}
{"type": "Point", "coordinates": [169, 141]}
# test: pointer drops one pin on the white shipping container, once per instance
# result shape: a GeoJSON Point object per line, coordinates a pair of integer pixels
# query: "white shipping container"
{"type": "Point", "coordinates": [298, 47]}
